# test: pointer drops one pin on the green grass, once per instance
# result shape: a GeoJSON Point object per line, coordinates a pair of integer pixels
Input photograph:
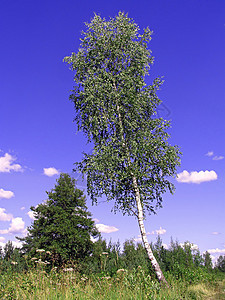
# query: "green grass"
{"type": "Point", "coordinates": [37, 284]}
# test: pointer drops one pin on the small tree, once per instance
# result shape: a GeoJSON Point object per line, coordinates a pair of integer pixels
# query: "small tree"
{"type": "Point", "coordinates": [132, 160]}
{"type": "Point", "coordinates": [207, 260]}
{"type": "Point", "coordinates": [220, 263]}
{"type": "Point", "coordinates": [62, 224]}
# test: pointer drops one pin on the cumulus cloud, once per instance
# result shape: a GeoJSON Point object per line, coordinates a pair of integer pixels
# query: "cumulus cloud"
{"type": "Point", "coordinates": [210, 153]}
{"type": "Point", "coordinates": [4, 216]}
{"type": "Point", "coordinates": [139, 239]}
{"type": "Point", "coordinates": [31, 214]}
{"type": "Point", "coordinates": [96, 220]}
{"type": "Point", "coordinates": [215, 233]}
{"type": "Point", "coordinates": [7, 165]}
{"type": "Point", "coordinates": [6, 194]}
{"type": "Point", "coordinates": [2, 239]}
{"type": "Point", "coordinates": [218, 157]}
{"type": "Point", "coordinates": [157, 231]}
{"type": "Point", "coordinates": [51, 171]}
{"type": "Point", "coordinates": [217, 250]}
{"type": "Point", "coordinates": [106, 228]}
{"type": "Point", "coordinates": [196, 177]}
{"type": "Point", "coordinates": [165, 246]}
{"type": "Point", "coordinates": [16, 226]}
{"type": "Point", "coordinates": [193, 246]}
{"type": "Point", "coordinates": [160, 231]}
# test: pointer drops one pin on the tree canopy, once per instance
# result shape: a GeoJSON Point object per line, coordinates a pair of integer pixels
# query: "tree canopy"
{"type": "Point", "coordinates": [116, 110]}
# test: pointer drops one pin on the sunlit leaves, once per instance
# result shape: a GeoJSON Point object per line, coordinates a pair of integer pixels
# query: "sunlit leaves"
{"type": "Point", "coordinates": [116, 110]}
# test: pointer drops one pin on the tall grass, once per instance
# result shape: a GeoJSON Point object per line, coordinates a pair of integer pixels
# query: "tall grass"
{"type": "Point", "coordinates": [69, 284]}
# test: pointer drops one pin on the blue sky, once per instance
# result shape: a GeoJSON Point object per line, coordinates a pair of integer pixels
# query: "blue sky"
{"type": "Point", "coordinates": [36, 117]}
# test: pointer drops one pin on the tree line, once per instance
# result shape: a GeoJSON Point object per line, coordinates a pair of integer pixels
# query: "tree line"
{"type": "Point", "coordinates": [62, 233]}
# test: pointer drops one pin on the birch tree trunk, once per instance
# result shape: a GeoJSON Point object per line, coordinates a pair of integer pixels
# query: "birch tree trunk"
{"type": "Point", "coordinates": [148, 249]}
{"type": "Point", "coordinates": [140, 215]}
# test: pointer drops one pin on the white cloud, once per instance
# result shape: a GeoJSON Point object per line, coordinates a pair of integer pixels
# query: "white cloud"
{"type": "Point", "coordinates": [165, 246]}
{"type": "Point", "coordinates": [2, 239]}
{"type": "Point", "coordinates": [4, 216]}
{"type": "Point", "coordinates": [196, 177]}
{"type": "Point", "coordinates": [6, 164]}
{"type": "Point", "coordinates": [216, 253]}
{"type": "Point", "coordinates": [210, 153]}
{"type": "Point", "coordinates": [31, 214]}
{"type": "Point", "coordinates": [16, 226]}
{"type": "Point", "coordinates": [218, 157]}
{"type": "Point", "coordinates": [160, 231]}
{"type": "Point", "coordinates": [96, 220]}
{"type": "Point", "coordinates": [139, 239]}
{"type": "Point", "coordinates": [215, 233]}
{"type": "Point", "coordinates": [16, 244]}
{"type": "Point", "coordinates": [106, 228]}
{"type": "Point", "coordinates": [51, 171]}
{"type": "Point", "coordinates": [6, 194]}
{"type": "Point", "coordinates": [157, 231]}
{"type": "Point", "coordinates": [220, 251]}
{"type": "Point", "coordinates": [22, 208]}
{"type": "Point", "coordinates": [193, 246]}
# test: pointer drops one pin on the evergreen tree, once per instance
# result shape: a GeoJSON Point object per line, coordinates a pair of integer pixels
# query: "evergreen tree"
{"type": "Point", "coordinates": [132, 160]}
{"type": "Point", "coordinates": [220, 263]}
{"type": "Point", "coordinates": [62, 224]}
{"type": "Point", "coordinates": [8, 250]}
{"type": "Point", "coordinates": [207, 260]}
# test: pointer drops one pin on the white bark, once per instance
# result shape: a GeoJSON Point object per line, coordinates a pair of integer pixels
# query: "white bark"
{"type": "Point", "coordinates": [140, 215]}
{"type": "Point", "coordinates": [148, 249]}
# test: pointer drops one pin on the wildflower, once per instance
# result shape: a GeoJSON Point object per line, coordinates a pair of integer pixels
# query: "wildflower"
{"type": "Point", "coordinates": [48, 252]}
{"type": "Point", "coordinates": [40, 250]}
{"type": "Point", "coordinates": [14, 262]}
{"type": "Point", "coordinates": [105, 253]}
{"type": "Point", "coordinates": [68, 269]}
{"type": "Point", "coordinates": [106, 277]}
{"type": "Point", "coordinates": [40, 262]}
{"type": "Point", "coordinates": [34, 258]}
{"type": "Point", "coordinates": [120, 271]}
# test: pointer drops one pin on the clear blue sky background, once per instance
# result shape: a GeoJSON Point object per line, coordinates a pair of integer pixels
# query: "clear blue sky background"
{"type": "Point", "coordinates": [36, 117]}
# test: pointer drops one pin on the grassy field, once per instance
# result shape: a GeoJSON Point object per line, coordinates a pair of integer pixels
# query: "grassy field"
{"type": "Point", "coordinates": [67, 284]}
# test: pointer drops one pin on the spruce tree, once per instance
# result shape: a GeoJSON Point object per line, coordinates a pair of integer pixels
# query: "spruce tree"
{"type": "Point", "coordinates": [62, 224]}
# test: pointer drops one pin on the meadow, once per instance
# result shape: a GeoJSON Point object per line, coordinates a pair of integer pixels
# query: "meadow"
{"type": "Point", "coordinates": [39, 281]}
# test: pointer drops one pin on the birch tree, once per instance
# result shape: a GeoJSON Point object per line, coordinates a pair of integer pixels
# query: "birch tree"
{"type": "Point", "coordinates": [131, 161]}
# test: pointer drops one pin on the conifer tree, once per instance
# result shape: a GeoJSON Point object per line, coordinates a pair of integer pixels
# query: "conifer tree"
{"type": "Point", "coordinates": [62, 224]}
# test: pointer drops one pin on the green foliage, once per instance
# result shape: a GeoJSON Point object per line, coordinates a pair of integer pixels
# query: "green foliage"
{"type": "Point", "coordinates": [116, 110]}
{"type": "Point", "coordinates": [62, 225]}
{"type": "Point", "coordinates": [99, 279]}
{"type": "Point", "coordinates": [220, 264]}
{"type": "Point", "coordinates": [207, 260]}
{"type": "Point", "coordinates": [135, 284]}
